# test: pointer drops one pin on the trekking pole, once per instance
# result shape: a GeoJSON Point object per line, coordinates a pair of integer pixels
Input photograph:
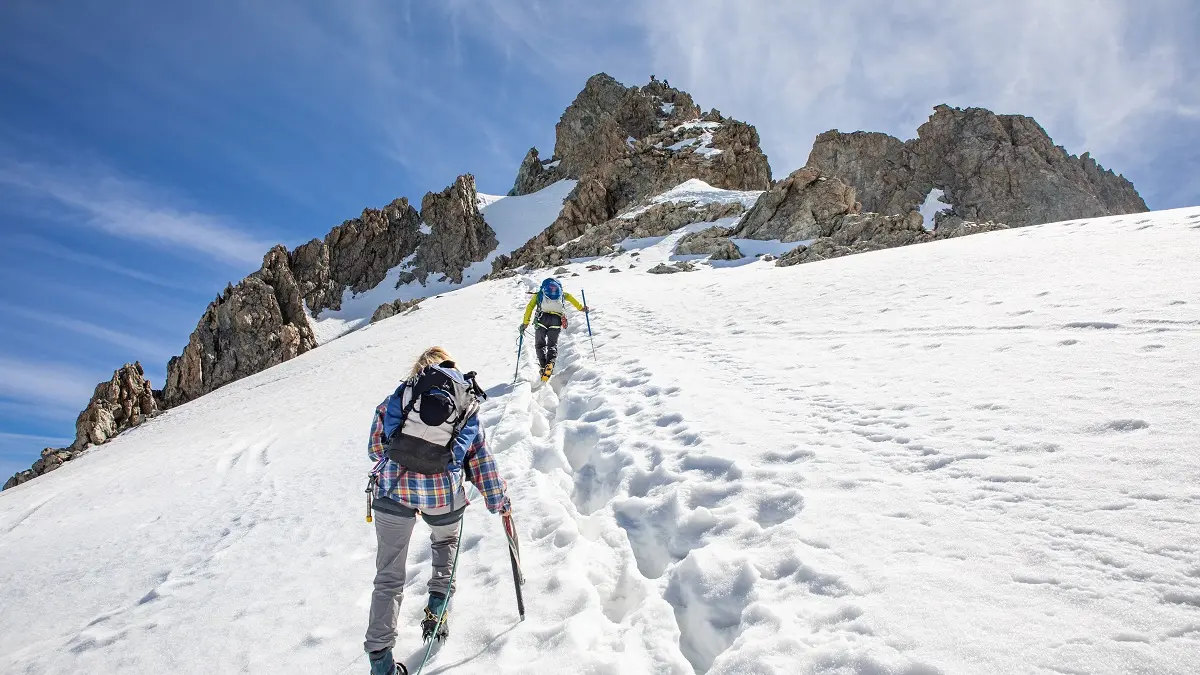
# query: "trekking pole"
{"type": "Point", "coordinates": [588, 315]}
{"type": "Point", "coordinates": [520, 348]}
{"type": "Point", "coordinates": [514, 557]}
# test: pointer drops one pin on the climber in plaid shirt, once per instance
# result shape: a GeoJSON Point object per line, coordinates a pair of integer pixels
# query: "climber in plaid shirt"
{"type": "Point", "coordinates": [440, 499]}
{"type": "Point", "coordinates": [430, 492]}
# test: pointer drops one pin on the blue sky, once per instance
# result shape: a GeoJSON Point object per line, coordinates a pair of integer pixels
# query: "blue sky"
{"type": "Point", "coordinates": [152, 151]}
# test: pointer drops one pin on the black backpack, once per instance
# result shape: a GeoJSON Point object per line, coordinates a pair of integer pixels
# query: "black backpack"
{"type": "Point", "coordinates": [444, 400]}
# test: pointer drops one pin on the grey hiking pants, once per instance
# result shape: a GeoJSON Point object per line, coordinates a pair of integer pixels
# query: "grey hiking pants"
{"type": "Point", "coordinates": [392, 535]}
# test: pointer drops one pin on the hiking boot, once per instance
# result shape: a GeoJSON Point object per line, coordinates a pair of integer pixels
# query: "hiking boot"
{"type": "Point", "coordinates": [436, 606]}
{"type": "Point", "coordinates": [430, 624]}
{"type": "Point", "coordinates": [382, 663]}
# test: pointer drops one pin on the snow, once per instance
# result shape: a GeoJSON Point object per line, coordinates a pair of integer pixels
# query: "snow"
{"type": "Point", "coordinates": [425, 229]}
{"type": "Point", "coordinates": [698, 192]}
{"type": "Point", "coordinates": [970, 456]}
{"type": "Point", "coordinates": [515, 221]}
{"type": "Point", "coordinates": [667, 108]}
{"type": "Point", "coordinates": [554, 164]}
{"type": "Point", "coordinates": [483, 201]}
{"type": "Point", "coordinates": [933, 204]}
{"type": "Point", "coordinates": [696, 124]}
{"type": "Point", "coordinates": [702, 144]}
{"type": "Point", "coordinates": [685, 143]}
{"type": "Point", "coordinates": [752, 248]}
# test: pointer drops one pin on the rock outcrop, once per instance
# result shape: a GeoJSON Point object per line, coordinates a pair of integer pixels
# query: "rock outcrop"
{"type": "Point", "coordinates": [389, 309]}
{"type": "Point", "coordinates": [535, 174]}
{"type": "Point", "coordinates": [805, 205]}
{"type": "Point", "coordinates": [673, 268]}
{"type": "Point", "coordinates": [459, 235]}
{"type": "Point", "coordinates": [252, 326]}
{"type": "Point", "coordinates": [1001, 168]}
{"type": "Point", "coordinates": [355, 255]}
{"type": "Point", "coordinates": [822, 211]}
{"type": "Point", "coordinates": [863, 232]}
{"type": "Point", "coordinates": [713, 242]}
{"type": "Point", "coordinates": [122, 402]}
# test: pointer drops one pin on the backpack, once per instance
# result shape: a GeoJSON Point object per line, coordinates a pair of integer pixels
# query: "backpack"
{"type": "Point", "coordinates": [443, 401]}
{"type": "Point", "coordinates": [550, 298]}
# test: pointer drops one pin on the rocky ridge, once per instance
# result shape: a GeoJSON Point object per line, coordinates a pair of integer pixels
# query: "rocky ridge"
{"type": "Point", "coordinates": [626, 147]}
{"type": "Point", "coordinates": [122, 402]}
{"type": "Point", "coordinates": [389, 309]}
{"type": "Point", "coordinates": [1001, 168]}
{"type": "Point", "coordinates": [262, 320]}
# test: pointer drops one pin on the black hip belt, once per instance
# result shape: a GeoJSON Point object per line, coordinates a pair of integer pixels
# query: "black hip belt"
{"type": "Point", "coordinates": [549, 320]}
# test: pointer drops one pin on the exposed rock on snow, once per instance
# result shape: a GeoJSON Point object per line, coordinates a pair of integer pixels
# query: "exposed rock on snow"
{"type": "Point", "coordinates": [123, 402]}
{"type": "Point", "coordinates": [805, 205]}
{"type": "Point", "coordinates": [713, 242]}
{"type": "Point", "coordinates": [679, 266]}
{"type": "Point", "coordinates": [460, 234]}
{"type": "Point", "coordinates": [1003, 168]}
{"type": "Point", "coordinates": [356, 254]}
{"type": "Point", "coordinates": [51, 459]}
{"type": "Point", "coordinates": [656, 220]}
{"type": "Point", "coordinates": [393, 308]}
{"type": "Point", "coordinates": [120, 403]}
{"type": "Point", "coordinates": [862, 232]}
{"type": "Point", "coordinates": [252, 326]}
{"type": "Point", "coordinates": [536, 174]}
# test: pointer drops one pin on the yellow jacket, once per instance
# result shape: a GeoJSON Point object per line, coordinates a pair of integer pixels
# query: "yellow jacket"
{"type": "Point", "coordinates": [534, 301]}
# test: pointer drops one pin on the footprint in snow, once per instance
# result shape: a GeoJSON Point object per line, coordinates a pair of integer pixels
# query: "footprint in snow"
{"type": "Point", "coordinates": [1119, 426]}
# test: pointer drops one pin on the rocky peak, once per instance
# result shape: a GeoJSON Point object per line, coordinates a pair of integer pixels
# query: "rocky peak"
{"type": "Point", "coordinates": [990, 167]}
{"type": "Point", "coordinates": [595, 128]}
{"type": "Point", "coordinates": [252, 326]}
{"type": "Point", "coordinates": [356, 254]}
{"type": "Point", "coordinates": [459, 234]}
{"type": "Point", "coordinates": [600, 127]}
{"type": "Point", "coordinates": [535, 174]}
{"type": "Point", "coordinates": [663, 142]}
{"type": "Point", "coordinates": [122, 402]}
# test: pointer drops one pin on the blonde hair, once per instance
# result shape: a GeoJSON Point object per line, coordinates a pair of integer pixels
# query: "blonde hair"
{"type": "Point", "coordinates": [430, 357]}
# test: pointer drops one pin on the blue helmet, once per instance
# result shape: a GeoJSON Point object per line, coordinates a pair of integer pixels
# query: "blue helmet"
{"type": "Point", "coordinates": [551, 289]}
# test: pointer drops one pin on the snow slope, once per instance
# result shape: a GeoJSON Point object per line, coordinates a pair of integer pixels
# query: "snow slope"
{"type": "Point", "coordinates": [971, 456]}
{"type": "Point", "coordinates": [515, 221]}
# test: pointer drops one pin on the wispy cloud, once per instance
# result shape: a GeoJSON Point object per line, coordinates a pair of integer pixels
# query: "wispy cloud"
{"type": "Point", "coordinates": [103, 199]}
{"type": "Point", "coordinates": [39, 245]}
{"type": "Point", "coordinates": [1114, 77]}
{"type": "Point", "coordinates": [6, 438]}
{"type": "Point", "coordinates": [1086, 69]}
{"type": "Point", "coordinates": [136, 344]}
{"type": "Point", "coordinates": [55, 385]}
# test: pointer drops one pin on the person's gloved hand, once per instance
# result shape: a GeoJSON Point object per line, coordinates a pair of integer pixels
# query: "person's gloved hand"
{"type": "Point", "coordinates": [524, 326]}
{"type": "Point", "coordinates": [506, 507]}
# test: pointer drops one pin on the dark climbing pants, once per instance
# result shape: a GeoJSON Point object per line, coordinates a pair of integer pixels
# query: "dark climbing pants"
{"type": "Point", "coordinates": [546, 338]}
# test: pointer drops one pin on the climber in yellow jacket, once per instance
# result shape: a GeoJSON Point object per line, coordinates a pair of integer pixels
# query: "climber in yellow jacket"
{"type": "Point", "coordinates": [551, 318]}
